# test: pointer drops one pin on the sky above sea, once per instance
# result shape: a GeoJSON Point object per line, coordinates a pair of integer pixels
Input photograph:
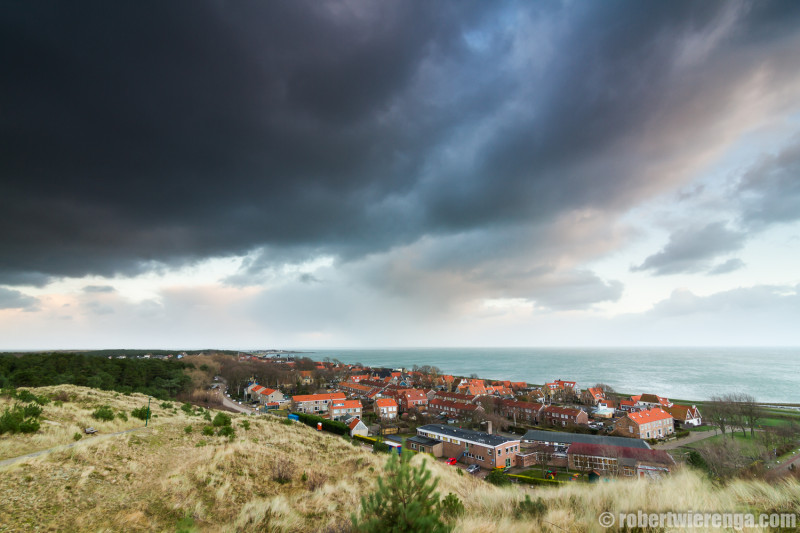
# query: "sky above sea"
{"type": "Point", "coordinates": [322, 173]}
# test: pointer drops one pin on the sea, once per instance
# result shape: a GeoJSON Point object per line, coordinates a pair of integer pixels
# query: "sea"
{"type": "Point", "coordinates": [771, 375]}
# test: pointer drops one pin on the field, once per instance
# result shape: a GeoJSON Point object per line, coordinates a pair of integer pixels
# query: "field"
{"type": "Point", "coordinates": [280, 476]}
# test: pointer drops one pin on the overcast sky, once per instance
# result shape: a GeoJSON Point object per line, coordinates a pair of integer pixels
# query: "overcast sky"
{"type": "Point", "coordinates": [365, 174]}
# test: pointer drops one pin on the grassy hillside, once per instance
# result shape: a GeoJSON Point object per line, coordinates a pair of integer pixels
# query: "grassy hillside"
{"type": "Point", "coordinates": [278, 477]}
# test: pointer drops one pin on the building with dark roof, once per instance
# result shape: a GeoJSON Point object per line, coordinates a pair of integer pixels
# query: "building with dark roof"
{"type": "Point", "coordinates": [473, 447]}
{"type": "Point", "coordinates": [619, 460]}
{"type": "Point", "coordinates": [563, 439]}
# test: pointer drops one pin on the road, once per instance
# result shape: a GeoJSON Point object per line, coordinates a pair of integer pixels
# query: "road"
{"type": "Point", "coordinates": [89, 440]}
{"type": "Point", "coordinates": [230, 404]}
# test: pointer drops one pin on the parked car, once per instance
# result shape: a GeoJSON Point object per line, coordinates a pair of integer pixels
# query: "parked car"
{"type": "Point", "coordinates": [473, 469]}
{"type": "Point", "coordinates": [452, 461]}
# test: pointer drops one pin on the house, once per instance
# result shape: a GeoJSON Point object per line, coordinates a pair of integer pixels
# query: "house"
{"type": "Point", "coordinates": [386, 408]}
{"type": "Point", "coordinates": [652, 423]}
{"type": "Point", "coordinates": [454, 397]}
{"type": "Point", "coordinates": [593, 396]}
{"type": "Point", "coordinates": [620, 461]}
{"type": "Point", "coordinates": [358, 390]}
{"type": "Point", "coordinates": [563, 416]}
{"type": "Point", "coordinates": [422, 444]}
{"type": "Point", "coordinates": [648, 401]}
{"type": "Point", "coordinates": [450, 408]}
{"type": "Point", "coordinates": [315, 403]}
{"type": "Point", "coordinates": [413, 399]}
{"type": "Point", "coordinates": [357, 378]}
{"type": "Point", "coordinates": [357, 427]}
{"type": "Point", "coordinates": [560, 389]}
{"type": "Point", "coordinates": [266, 396]}
{"type": "Point", "coordinates": [519, 411]}
{"type": "Point", "coordinates": [305, 377]}
{"type": "Point", "coordinates": [340, 409]}
{"type": "Point", "coordinates": [685, 415]}
{"type": "Point", "coordinates": [473, 447]}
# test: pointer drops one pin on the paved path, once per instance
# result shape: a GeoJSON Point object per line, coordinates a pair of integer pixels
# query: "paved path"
{"type": "Point", "coordinates": [795, 459]}
{"type": "Point", "coordinates": [694, 436]}
{"type": "Point", "coordinates": [94, 438]}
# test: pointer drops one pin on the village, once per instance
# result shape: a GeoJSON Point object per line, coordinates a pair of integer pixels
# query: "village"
{"type": "Point", "coordinates": [554, 432]}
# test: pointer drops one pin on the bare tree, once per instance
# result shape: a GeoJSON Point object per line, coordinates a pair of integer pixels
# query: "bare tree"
{"type": "Point", "coordinates": [750, 411]}
{"type": "Point", "coordinates": [718, 411]}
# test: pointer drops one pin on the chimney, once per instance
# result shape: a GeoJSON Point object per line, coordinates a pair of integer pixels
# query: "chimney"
{"type": "Point", "coordinates": [489, 427]}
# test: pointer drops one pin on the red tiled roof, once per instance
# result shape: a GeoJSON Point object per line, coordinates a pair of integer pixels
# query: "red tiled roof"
{"type": "Point", "coordinates": [649, 415]}
{"type": "Point", "coordinates": [562, 410]}
{"type": "Point", "coordinates": [452, 406]}
{"type": "Point", "coordinates": [265, 391]}
{"type": "Point", "coordinates": [319, 397]}
{"type": "Point", "coordinates": [386, 402]}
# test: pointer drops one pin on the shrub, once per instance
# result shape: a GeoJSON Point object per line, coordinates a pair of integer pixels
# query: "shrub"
{"type": "Point", "coordinates": [61, 396]}
{"type": "Point", "coordinates": [187, 408]}
{"type": "Point", "coordinates": [528, 508]}
{"type": "Point", "coordinates": [681, 433]}
{"type": "Point", "coordinates": [208, 431]}
{"type": "Point", "coordinates": [405, 501]}
{"type": "Point", "coordinates": [226, 431]}
{"type": "Point", "coordinates": [380, 447]}
{"type": "Point", "coordinates": [141, 413]}
{"type": "Point", "coordinates": [122, 416]}
{"type": "Point", "coordinates": [282, 472]}
{"type": "Point", "coordinates": [103, 413]}
{"type": "Point", "coordinates": [77, 436]}
{"type": "Point", "coordinates": [451, 507]}
{"type": "Point", "coordinates": [32, 410]}
{"type": "Point", "coordinates": [166, 405]}
{"type": "Point", "coordinates": [26, 396]}
{"type": "Point", "coordinates": [207, 415]}
{"type": "Point", "coordinates": [187, 429]}
{"type": "Point", "coordinates": [245, 424]}
{"type": "Point", "coordinates": [29, 425]}
{"type": "Point", "coordinates": [328, 425]}
{"type": "Point", "coordinates": [498, 477]}
{"type": "Point", "coordinates": [221, 420]}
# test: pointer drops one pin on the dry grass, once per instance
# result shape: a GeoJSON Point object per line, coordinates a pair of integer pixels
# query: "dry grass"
{"type": "Point", "coordinates": [275, 477]}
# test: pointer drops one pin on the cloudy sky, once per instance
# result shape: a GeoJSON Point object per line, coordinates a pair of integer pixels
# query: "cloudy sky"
{"type": "Point", "coordinates": [364, 174]}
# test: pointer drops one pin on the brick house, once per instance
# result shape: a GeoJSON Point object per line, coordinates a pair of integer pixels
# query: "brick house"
{"type": "Point", "coordinates": [652, 423]}
{"type": "Point", "coordinates": [454, 397]}
{"type": "Point", "coordinates": [563, 416]}
{"type": "Point", "coordinates": [473, 447]}
{"type": "Point", "coordinates": [518, 411]}
{"type": "Point", "coordinates": [593, 396]}
{"type": "Point", "coordinates": [619, 460]}
{"type": "Point", "coordinates": [386, 408]}
{"type": "Point", "coordinates": [315, 403]}
{"type": "Point", "coordinates": [358, 390]}
{"type": "Point", "coordinates": [456, 409]}
{"type": "Point", "coordinates": [413, 399]}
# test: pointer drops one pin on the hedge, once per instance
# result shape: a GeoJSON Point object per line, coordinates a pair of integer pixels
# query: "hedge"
{"type": "Point", "coordinates": [328, 425]}
{"type": "Point", "coordinates": [538, 481]}
{"type": "Point", "coordinates": [368, 440]}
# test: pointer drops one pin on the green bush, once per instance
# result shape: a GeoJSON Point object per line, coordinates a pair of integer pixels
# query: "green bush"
{"type": "Point", "coordinates": [528, 508]}
{"type": "Point", "coordinates": [405, 500]}
{"type": "Point", "coordinates": [380, 447]}
{"type": "Point", "coordinates": [29, 425]}
{"type": "Point", "coordinates": [681, 433]}
{"type": "Point", "coordinates": [26, 396]}
{"type": "Point", "coordinates": [451, 507]}
{"type": "Point", "coordinates": [77, 436]}
{"type": "Point", "coordinates": [221, 420]}
{"type": "Point", "coordinates": [498, 477]}
{"type": "Point", "coordinates": [226, 431]}
{"type": "Point", "coordinates": [103, 413]}
{"type": "Point", "coordinates": [141, 413]}
{"type": "Point", "coordinates": [122, 416]}
{"type": "Point", "coordinates": [32, 410]}
{"type": "Point", "coordinates": [187, 408]}
{"type": "Point", "coordinates": [166, 405]}
{"type": "Point", "coordinates": [187, 429]}
{"type": "Point", "coordinates": [331, 426]}
{"type": "Point", "coordinates": [208, 431]}
{"type": "Point", "coordinates": [245, 424]}
{"type": "Point", "coordinates": [207, 415]}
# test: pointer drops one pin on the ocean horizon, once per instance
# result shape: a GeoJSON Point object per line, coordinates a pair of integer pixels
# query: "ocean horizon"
{"type": "Point", "coordinates": [770, 374]}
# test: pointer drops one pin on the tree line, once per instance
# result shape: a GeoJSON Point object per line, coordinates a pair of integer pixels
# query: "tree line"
{"type": "Point", "coordinates": [154, 377]}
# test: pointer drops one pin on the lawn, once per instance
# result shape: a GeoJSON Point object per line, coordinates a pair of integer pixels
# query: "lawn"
{"type": "Point", "coordinates": [747, 441]}
{"type": "Point", "coordinates": [537, 473]}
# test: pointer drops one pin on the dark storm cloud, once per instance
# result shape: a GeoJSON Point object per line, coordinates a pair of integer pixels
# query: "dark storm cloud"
{"type": "Point", "coordinates": [12, 299]}
{"type": "Point", "coordinates": [770, 190]}
{"type": "Point", "coordinates": [134, 135]}
{"type": "Point", "coordinates": [691, 249]}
